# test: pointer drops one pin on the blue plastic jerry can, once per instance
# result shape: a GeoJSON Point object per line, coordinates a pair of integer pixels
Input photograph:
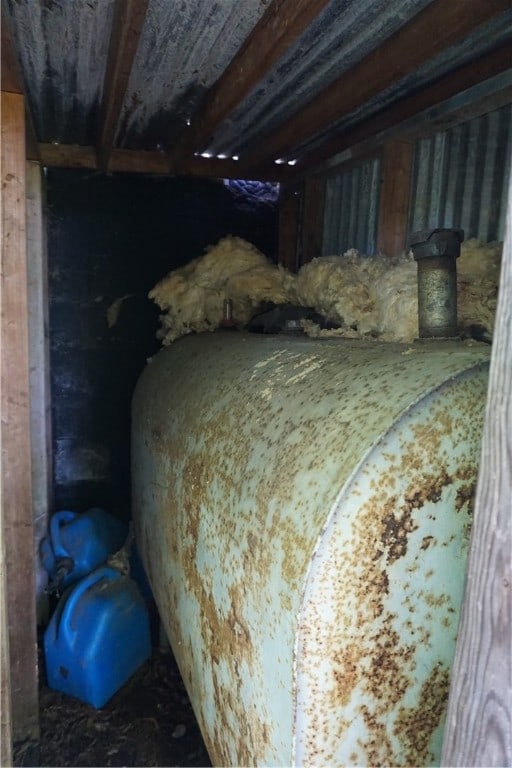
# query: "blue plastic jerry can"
{"type": "Point", "coordinates": [79, 542]}
{"type": "Point", "coordinates": [98, 637]}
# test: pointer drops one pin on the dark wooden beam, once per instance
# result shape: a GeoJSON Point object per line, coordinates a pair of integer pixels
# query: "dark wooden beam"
{"type": "Point", "coordinates": [12, 82]}
{"type": "Point", "coordinates": [465, 77]}
{"type": "Point", "coordinates": [281, 24]}
{"type": "Point", "coordinates": [394, 197]}
{"type": "Point", "coordinates": [289, 213]}
{"type": "Point", "coordinates": [313, 219]}
{"type": "Point", "coordinates": [17, 523]}
{"type": "Point", "coordinates": [127, 22]}
{"type": "Point", "coordinates": [479, 720]}
{"type": "Point", "coordinates": [441, 24]}
{"type": "Point", "coordinates": [11, 79]}
{"type": "Point", "coordinates": [140, 161]}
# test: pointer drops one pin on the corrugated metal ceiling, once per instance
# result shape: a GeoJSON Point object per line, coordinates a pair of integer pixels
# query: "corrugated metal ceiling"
{"type": "Point", "coordinates": [490, 35]}
{"type": "Point", "coordinates": [184, 48]}
{"type": "Point", "coordinates": [340, 37]}
{"type": "Point", "coordinates": [63, 45]}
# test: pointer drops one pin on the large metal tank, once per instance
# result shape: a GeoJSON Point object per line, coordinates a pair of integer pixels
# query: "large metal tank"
{"type": "Point", "coordinates": [303, 510]}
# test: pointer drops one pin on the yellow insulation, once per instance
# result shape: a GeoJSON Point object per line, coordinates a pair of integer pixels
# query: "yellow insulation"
{"type": "Point", "coordinates": [370, 297]}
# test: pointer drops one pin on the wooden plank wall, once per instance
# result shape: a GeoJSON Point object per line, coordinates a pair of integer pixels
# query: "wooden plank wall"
{"type": "Point", "coordinates": [479, 722]}
{"type": "Point", "coordinates": [15, 437]}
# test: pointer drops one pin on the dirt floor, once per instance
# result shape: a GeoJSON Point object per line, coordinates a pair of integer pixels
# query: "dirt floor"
{"type": "Point", "coordinates": [149, 722]}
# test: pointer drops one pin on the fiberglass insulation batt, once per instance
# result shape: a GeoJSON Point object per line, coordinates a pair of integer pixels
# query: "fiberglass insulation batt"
{"type": "Point", "coordinates": [192, 296]}
{"type": "Point", "coordinates": [367, 296]}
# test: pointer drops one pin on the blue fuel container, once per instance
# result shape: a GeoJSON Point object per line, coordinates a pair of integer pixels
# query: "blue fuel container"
{"type": "Point", "coordinates": [79, 542]}
{"type": "Point", "coordinates": [98, 637]}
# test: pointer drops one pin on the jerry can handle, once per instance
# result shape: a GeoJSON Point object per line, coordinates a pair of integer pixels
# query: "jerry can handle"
{"type": "Point", "coordinates": [86, 583]}
{"type": "Point", "coordinates": [63, 516]}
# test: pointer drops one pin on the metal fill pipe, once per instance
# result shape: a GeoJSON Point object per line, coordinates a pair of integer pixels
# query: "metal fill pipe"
{"type": "Point", "coordinates": [435, 252]}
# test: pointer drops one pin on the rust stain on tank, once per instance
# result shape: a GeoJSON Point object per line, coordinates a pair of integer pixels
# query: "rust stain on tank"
{"type": "Point", "coordinates": [465, 495]}
{"type": "Point", "coordinates": [396, 526]}
{"type": "Point", "coordinates": [386, 679]}
{"type": "Point", "coordinates": [253, 480]}
{"type": "Point", "coordinates": [346, 666]}
{"type": "Point", "coordinates": [377, 749]}
{"type": "Point", "coordinates": [382, 666]}
{"type": "Point", "coordinates": [415, 726]}
{"type": "Point", "coordinates": [427, 541]}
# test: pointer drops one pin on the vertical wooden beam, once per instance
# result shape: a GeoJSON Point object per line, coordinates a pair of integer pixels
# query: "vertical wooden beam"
{"type": "Point", "coordinates": [394, 197]}
{"type": "Point", "coordinates": [313, 219]}
{"type": "Point", "coordinates": [289, 211]}
{"type": "Point", "coordinates": [5, 672]}
{"type": "Point", "coordinates": [479, 722]}
{"type": "Point", "coordinates": [39, 358]}
{"type": "Point", "coordinates": [15, 438]}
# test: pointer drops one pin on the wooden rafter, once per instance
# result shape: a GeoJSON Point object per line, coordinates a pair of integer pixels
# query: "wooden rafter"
{"type": "Point", "coordinates": [12, 82]}
{"type": "Point", "coordinates": [127, 22]}
{"type": "Point", "coordinates": [466, 76]}
{"type": "Point", "coordinates": [281, 24]}
{"type": "Point", "coordinates": [441, 24]}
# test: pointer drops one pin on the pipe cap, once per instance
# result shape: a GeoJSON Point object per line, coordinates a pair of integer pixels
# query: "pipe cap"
{"type": "Point", "coordinates": [436, 242]}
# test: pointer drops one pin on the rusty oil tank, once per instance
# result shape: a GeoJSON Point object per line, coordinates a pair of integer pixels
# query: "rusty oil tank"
{"type": "Point", "coordinates": [303, 510]}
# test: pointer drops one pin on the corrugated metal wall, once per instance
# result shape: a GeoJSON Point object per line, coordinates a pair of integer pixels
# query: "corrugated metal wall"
{"type": "Point", "coordinates": [351, 209]}
{"type": "Point", "coordinates": [460, 177]}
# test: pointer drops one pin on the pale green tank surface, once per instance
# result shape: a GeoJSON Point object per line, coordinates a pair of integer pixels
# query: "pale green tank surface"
{"type": "Point", "coordinates": [303, 511]}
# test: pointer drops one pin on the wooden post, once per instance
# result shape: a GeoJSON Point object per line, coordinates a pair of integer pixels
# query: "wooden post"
{"type": "Point", "coordinates": [479, 722]}
{"type": "Point", "coordinates": [5, 672]}
{"type": "Point", "coordinates": [313, 219]}
{"type": "Point", "coordinates": [39, 358]}
{"type": "Point", "coordinates": [394, 197]}
{"type": "Point", "coordinates": [15, 438]}
{"type": "Point", "coordinates": [289, 211]}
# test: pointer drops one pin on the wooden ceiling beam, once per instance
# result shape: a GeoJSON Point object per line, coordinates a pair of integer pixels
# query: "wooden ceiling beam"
{"type": "Point", "coordinates": [280, 26]}
{"type": "Point", "coordinates": [12, 82]}
{"type": "Point", "coordinates": [140, 161]}
{"type": "Point", "coordinates": [468, 75]}
{"type": "Point", "coordinates": [439, 25]}
{"type": "Point", "coordinates": [127, 23]}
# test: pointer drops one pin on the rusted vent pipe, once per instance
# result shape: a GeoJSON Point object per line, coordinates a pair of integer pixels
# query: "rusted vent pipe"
{"type": "Point", "coordinates": [436, 251]}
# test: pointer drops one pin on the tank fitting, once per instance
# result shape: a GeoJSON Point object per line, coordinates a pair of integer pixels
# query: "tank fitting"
{"type": "Point", "coordinates": [227, 314]}
{"type": "Point", "coordinates": [436, 251]}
